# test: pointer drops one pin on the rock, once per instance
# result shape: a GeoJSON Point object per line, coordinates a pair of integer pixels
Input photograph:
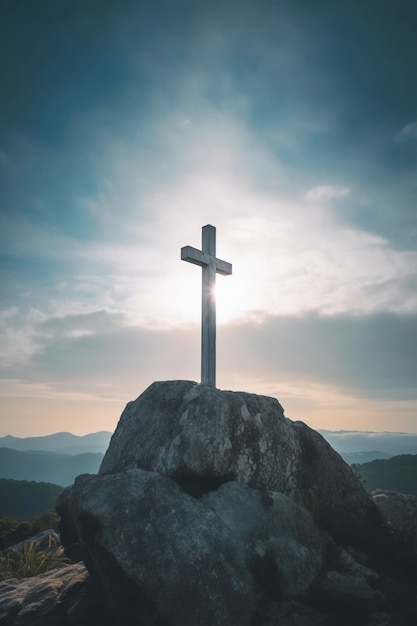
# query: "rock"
{"type": "Point", "coordinates": [203, 437]}
{"type": "Point", "coordinates": [351, 595]}
{"type": "Point", "coordinates": [332, 491]}
{"type": "Point", "coordinates": [45, 541]}
{"type": "Point", "coordinates": [291, 613]}
{"type": "Point", "coordinates": [361, 595]}
{"type": "Point", "coordinates": [60, 597]}
{"type": "Point", "coordinates": [212, 508]}
{"type": "Point", "coordinates": [352, 587]}
{"type": "Point", "coordinates": [399, 510]}
{"type": "Point", "coordinates": [159, 555]}
{"type": "Point", "coordinates": [195, 433]}
{"type": "Point", "coordinates": [398, 558]}
{"type": "Point", "coordinates": [283, 546]}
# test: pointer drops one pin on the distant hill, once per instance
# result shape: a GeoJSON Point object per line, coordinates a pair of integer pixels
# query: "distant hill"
{"type": "Point", "coordinates": [23, 500]}
{"type": "Point", "coordinates": [364, 456]}
{"type": "Point", "coordinates": [345, 442]}
{"type": "Point", "coordinates": [396, 474]}
{"type": "Point", "coordinates": [65, 443]}
{"type": "Point", "coordinates": [50, 467]}
{"type": "Point", "coordinates": [390, 443]}
{"type": "Point", "coordinates": [354, 446]}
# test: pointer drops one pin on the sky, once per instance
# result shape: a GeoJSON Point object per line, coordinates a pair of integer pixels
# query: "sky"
{"type": "Point", "coordinates": [126, 126]}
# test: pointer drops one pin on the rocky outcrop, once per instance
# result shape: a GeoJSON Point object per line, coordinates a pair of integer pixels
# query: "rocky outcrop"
{"type": "Point", "coordinates": [282, 545]}
{"type": "Point", "coordinates": [197, 435]}
{"type": "Point", "coordinates": [400, 513]}
{"type": "Point", "coordinates": [351, 587]}
{"type": "Point", "coordinates": [60, 597]}
{"type": "Point", "coordinates": [212, 508]}
{"type": "Point", "coordinates": [45, 541]}
{"type": "Point", "coordinates": [160, 555]}
{"type": "Point", "coordinates": [203, 437]}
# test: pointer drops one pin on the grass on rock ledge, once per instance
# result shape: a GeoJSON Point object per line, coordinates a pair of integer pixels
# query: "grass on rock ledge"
{"type": "Point", "coordinates": [31, 561]}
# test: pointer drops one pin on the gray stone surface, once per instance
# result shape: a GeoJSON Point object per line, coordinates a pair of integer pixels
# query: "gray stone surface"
{"type": "Point", "coordinates": [56, 598]}
{"type": "Point", "coordinates": [199, 517]}
{"type": "Point", "coordinates": [400, 512]}
{"type": "Point", "coordinates": [351, 590]}
{"type": "Point", "coordinates": [190, 431]}
{"type": "Point", "coordinates": [282, 543]}
{"type": "Point", "coordinates": [332, 491]}
{"type": "Point", "coordinates": [212, 508]}
{"type": "Point", "coordinates": [158, 553]}
{"type": "Point", "coordinates": [353, 584]}
{"type": "Point", "coordinates": [203, 437]}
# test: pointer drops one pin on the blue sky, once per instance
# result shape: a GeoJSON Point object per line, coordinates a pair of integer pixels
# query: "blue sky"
{"type": "Point", "coordinates": [126, 126]}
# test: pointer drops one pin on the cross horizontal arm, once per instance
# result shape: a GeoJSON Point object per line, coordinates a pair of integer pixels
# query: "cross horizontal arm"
{"type": "Point", "coordinates": [224, 268]}
{"type": "Point", "coordinates": [192, 255]}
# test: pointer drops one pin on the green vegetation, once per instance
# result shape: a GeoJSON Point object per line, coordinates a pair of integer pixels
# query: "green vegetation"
{"type": "Point", "coordinates": [396, 474]}
{"type": "Point", "coordinates": [13, 531]}
{"type": "Point", "coordinates": [28, 559]}
{"type": "Point", "coordinates": [23, 499]}
{"type": "Point", "coordinates": [31, 561]}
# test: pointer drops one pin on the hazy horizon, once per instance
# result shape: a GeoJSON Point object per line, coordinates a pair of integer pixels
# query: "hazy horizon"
{"type": "Point", "coordinates": [81, 433]}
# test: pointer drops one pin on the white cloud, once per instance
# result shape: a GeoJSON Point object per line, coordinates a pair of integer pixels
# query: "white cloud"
{"type": "Point", "coordinates": [335, 374]}
{"type": "Point", "coordinates": [288, 257]}
{"type": "Point", "coordinates": [323, 193]}
{"type": "Point", "coordinates": [409, 131]}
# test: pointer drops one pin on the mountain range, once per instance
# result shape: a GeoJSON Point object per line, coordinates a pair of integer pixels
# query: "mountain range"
{"type": "Point", "coordinates": [345, 442]}
{"type": "Point", "coordinates": [60, 457]}
{"type": "Point", "coordinates": [65, 443]}
{"type": "Point", "coordinates": [45, 466]}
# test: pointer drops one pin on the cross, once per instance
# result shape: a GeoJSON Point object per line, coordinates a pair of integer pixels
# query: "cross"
{"type": "Point", "coordinates": [206, 258]}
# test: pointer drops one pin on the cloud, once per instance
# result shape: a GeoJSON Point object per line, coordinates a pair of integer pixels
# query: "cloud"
{"type": "Point", "coordinates": [371, 356]}
{"type": "Point", "coordinates": [409, 132]}
{"type": "Point", "coordinates": [390, 442]}
{"type": "Point", "coordinates": [109, 177]}
{"type": "Point", "coordinates": [89, 352]}
{"type": "Point", "coordinates": [323, 193]}
{"type": "Point", "coordinates": [289, 257]}
{"type": "Point", "coordinates": [333, 372]}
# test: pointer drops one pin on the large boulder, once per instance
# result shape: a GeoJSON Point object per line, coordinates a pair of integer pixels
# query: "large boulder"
{"type": "Point", "coordinates": [59, 597]}
{"type": "Point", "coordinates": [352, 588]}
{"type": "Point", "coordinates": [284, 549]}
{"type": "Point", "coordinates": [195, 433]}
{"type": "Point", "coordinates": [211, 507]}
{"type": "Point", "coordinates": [203, 437]}
{"type": "Point", "coordinates": [161, 556]}
{"type": "Point", "coordinates": [334, 493]}
{"type": "Point", "coordinates": [400, 512]}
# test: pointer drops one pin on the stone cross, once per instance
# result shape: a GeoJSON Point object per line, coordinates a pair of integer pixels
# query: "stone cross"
{"type": "Point", "coordinates": [206, 258]}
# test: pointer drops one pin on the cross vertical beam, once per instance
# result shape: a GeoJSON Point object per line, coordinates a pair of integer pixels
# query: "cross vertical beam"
{"type": "Point", "coordinates": [206, 259]}
{"type": "Point", "coordinates": [208, 308]}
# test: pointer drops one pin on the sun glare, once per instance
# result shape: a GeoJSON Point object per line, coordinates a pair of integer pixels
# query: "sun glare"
{"type": "Point", "coordinates": [231, 299]}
